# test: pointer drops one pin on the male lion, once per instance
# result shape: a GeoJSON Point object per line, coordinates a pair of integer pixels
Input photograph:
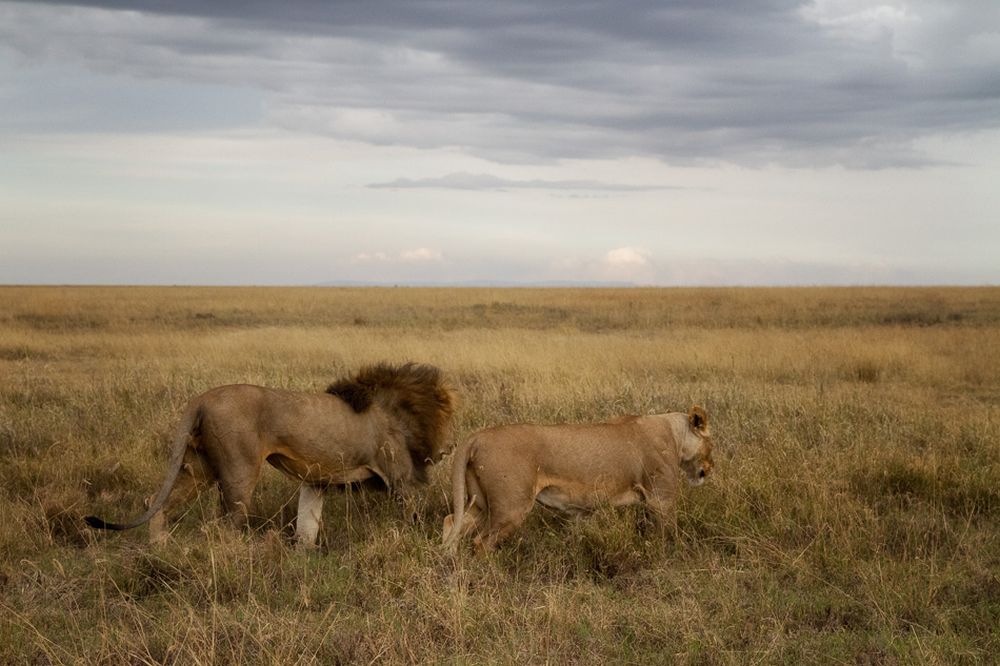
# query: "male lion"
{"type": "Point", "coordinates": [387, 421]}
{"type": "Point", "coordinates": [498, 473]}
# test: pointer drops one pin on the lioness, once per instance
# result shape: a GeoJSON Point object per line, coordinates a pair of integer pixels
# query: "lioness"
{"type": "Point", "coordinates": [498, 473]}
{"type": "Point", "coordinates": [388, 422]}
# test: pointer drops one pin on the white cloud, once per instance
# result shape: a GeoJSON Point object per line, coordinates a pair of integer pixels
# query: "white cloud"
{"type": "Point", "coordinates": [371, 256]}
{"type": "Point", "coordinates": [624, 264]}
{"type": "Point", "coordinates": [419, 254]}
{"type": "Point", "coordinates": [859, 19]}
{"type": "Point", "coordinates": [626, 256]}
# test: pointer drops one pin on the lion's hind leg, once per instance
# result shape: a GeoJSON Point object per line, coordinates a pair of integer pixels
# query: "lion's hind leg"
{"type": "Point", "coordinates": [236, 485]}
{"type": "Point", "coordinates": [192, 479]}
{"type": "Point", "coordinates": [236, 497]}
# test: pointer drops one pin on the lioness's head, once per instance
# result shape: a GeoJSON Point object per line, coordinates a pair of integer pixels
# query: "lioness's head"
{"type": "Point", "coordinates": [696, 449]}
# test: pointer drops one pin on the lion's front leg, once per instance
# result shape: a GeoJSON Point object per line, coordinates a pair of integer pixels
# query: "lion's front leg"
{"type": "Point", "coordinates": [409, 499]}
{"type": "Point", "coordinates": [309, 516]}
{"type": "Point", "coordinates": [395, 467]}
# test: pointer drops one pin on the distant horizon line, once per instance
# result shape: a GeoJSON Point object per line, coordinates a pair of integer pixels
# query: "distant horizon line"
{"type": "Point", "coordinates": [499, 284]}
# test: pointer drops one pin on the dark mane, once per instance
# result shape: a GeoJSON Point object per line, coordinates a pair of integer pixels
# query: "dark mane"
{"type": "Point", "coordinates": [415, 394]}
{"type": "Point", "coordinates": [355, 393]}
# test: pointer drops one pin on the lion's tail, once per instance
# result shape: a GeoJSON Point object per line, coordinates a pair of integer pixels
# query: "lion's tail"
{"type": "Point", "coordinates": [189, 424]}
{"type": "Point", "coordinates": [458, 490]}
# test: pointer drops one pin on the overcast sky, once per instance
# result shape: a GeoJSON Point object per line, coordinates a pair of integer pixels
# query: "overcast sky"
{"type": "Point", "coordinates": [695, 142]}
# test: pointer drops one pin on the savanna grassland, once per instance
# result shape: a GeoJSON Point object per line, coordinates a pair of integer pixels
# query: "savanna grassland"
{"type": "Point", "coordinates": [853, 516]}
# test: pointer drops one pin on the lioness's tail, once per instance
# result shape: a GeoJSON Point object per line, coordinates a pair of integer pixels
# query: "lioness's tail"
{"type": "Point", "coordinates": [189, 424]}
{"type": "Point", "coordinates": [458, 466]}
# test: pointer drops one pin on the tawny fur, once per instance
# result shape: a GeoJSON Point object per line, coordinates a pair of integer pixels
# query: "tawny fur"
{"type": "Point", "coordinates": [499, 473]}
{"type": "Point", "coordinates": [389, 422]}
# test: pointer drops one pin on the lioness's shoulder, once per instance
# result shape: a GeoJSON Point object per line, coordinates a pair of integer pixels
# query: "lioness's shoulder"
{"type": "Point", "coordinates": [624, 419]}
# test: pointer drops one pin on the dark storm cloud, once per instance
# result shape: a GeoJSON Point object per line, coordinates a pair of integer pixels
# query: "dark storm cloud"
{"type": "Point", "coordinates": [750, 82]}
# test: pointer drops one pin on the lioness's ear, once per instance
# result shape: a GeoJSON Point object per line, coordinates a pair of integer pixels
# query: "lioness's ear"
{"type": "Point", "coordinates": [698, 420]}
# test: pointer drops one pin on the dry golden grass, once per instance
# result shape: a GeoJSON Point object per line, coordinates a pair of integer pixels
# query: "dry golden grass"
{"type": "Point", "coordinates": [854, 516]}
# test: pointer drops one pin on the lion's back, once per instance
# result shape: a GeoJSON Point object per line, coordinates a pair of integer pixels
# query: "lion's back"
{"type": "Point", "coordinates": [264, 410]}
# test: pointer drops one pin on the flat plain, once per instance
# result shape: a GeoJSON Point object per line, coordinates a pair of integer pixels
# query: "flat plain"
{"type": "Point", "coordinates": [853, 515]}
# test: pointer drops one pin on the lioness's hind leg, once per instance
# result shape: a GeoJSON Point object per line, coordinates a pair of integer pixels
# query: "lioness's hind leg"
{"type": "Point", "coordinates": [473, 518]}
{"type": "Point", "coordinates": [507, 505]}
{"type": "Point", "coordinates": [472, 513]}
{"type": "Point", "coordinates": [501, 525]}
{"type": "Point", "coordinates": [475, 510]}
{"type": "Point", "coordinates": [497, 532]}
{"type": "Point", "coordinates": [470, 521]}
